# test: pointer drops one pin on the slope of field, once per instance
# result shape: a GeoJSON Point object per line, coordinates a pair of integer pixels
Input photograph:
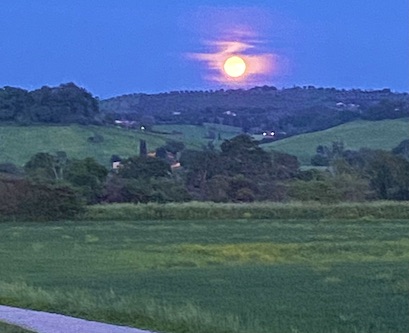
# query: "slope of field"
{"type": "Point", "coordinates": [19, 143]}
{"type": "Point", "coordinates": [384, 134]}
{"type": "Point", "coordinates": [198, 136]}
{"type": "Point", "coordinates": [230, 276]}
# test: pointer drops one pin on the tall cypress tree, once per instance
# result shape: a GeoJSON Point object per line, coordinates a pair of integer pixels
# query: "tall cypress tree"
{"type": "Point", "coordinates": [143, 150]}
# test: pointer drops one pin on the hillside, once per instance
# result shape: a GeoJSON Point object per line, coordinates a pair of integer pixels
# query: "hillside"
{"type": "Point", "coordinates": [19, 143]}
{"type": "Point", "coordinates": [287, 112]}
{"type": "Point", "coordinates": [290, 111]}
{"type": "Point", "coordinates": [384, 134]}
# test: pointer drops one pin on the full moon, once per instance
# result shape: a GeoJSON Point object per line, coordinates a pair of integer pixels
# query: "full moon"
{"type": "Point", "coordinates": [234, 66]}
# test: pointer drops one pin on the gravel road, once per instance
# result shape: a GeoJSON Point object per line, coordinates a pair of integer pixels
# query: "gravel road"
{"type": "Point", "coordinates": [44, 322]}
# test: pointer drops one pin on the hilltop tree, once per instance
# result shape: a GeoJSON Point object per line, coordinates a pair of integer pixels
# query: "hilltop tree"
{"type": "Point", "coordinates": [64, 104]}
{"type": "Point", "coordinates": [14, 103]}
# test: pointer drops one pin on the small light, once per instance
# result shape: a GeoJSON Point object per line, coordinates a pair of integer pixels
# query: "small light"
{"type": "Point", "coordinates": [142, 128]}
{"type": "Point", "coordinates": [272, 133]}
{"type": "Point", "coordinates": [264, 133]}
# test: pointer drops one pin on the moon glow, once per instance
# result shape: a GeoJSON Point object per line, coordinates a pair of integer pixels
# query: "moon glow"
{"type": "Point", "coordinates": [234, 66]}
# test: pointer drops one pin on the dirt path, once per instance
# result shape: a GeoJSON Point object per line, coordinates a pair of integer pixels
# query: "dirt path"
{"type": "Point", "coordinates": [44, 322]}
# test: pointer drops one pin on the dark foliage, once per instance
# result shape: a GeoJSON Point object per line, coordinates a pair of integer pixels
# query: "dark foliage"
{"type": "Point", "coordinates": [23, 199]}
{"type": "Point", "coordinates": [143, 150]}
{"type": "Point", "coordinates": [143, 168]}
{"type": "Point", "coordinates": [402, 149]}
{"type": "Point", "coordinates": [88, 177]}
{"type": "Point", "coordinates": [64, 104]}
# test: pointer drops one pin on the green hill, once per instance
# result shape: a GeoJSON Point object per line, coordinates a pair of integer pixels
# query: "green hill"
{"type": "Point", "coordinates": [19, 143]}
{"type": "Point", "coordinates": [196, 136]}
{"type": "Point", "coordinates": [384, 134]}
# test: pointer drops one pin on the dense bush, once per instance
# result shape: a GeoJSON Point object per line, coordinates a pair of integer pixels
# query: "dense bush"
{"type": "Point", "coordinates": [22, 199]}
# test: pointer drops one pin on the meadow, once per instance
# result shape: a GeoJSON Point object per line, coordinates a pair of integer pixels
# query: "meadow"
{"type": "Point", "coordinates": [19, 143]}
{"type": "Point", "coordinates": [214, 275]}
{"type": "Point", "coordinates": [383, 134]}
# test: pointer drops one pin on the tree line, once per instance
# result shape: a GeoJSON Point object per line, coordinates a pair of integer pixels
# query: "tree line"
{"type": "Point", "coordinates": [64, 104]}
{"type": "Point", "coordinates": [53, 186]}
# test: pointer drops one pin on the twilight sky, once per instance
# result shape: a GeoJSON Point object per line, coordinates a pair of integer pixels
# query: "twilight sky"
{"type": "Point", "coordinates": [113, 47]}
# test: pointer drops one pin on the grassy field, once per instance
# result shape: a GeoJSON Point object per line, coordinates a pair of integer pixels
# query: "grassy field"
{"type": "Point", "coordinates": [385, 134]}
{"type": "Point", "coordinates": [242, 275]}
{"type": "Point", "coordinates": [19, 143]}
{"type": "Point", "coordinates": [195, 136]}
{"type": "Point", "coordinates": [6, 328]}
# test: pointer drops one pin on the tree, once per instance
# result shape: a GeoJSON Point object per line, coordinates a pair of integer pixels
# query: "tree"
{"type": "Point", "coordinates": [24, 199]}
{"type": "Point", "coordinates": [174, 146]}
{"type": "Point", "coordinates": [14, 103]}
{"type": "Point", "coordinates": [402, 149]}
{"type": "Point", "coordinates": [324, 155]}
{"type": "Point", "coordinates": [285, 166]}
{"type": "Point", "coordinates": [242, 189]}
{"type": "Point", "coordinates": [45, 166]}
{"type": "Point", "coordinates": [242, 155]}
{"type": "Point", "coordinates": [87, 176]}
{"type": "Point", "coordinates": [143, 150]}
{"type": "Point", "coordinates": [64, 104]}
{"type": "Point", "coordinates": [217, 189]}
{"type": "Point", "coordinates": [115, 158]}
{"type": "Point", "coordinates": [144, 167]}
{"type": "Point", "coordinates": [201, 166]}
{"type": "Point", "coordinates": [161, 153]}
{"type": "Point", "coordinates": [162, 189]}
{"type": "Point", "coordinates": [388, 174]}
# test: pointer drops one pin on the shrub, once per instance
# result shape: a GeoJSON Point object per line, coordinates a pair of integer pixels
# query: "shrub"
{"type": "Point", "coordinates": [23, 199]}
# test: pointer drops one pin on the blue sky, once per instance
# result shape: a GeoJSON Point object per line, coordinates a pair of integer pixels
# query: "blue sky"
{"type": "Point", "coordinates": [126, 46]}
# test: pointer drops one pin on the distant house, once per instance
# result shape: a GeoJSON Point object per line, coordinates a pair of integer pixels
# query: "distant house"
{"type": "Point", "coordinates": [126, 123]}
{"type": "Point", "coordinates": [115, 165]}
